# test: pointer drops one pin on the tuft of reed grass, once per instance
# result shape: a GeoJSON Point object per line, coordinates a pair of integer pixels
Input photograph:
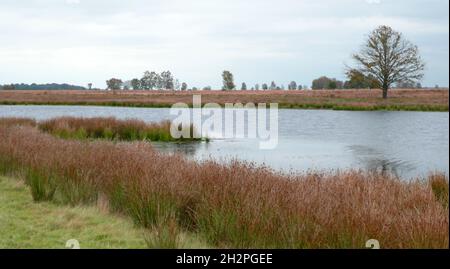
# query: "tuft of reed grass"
{"type": "Point", "coordinates": [440, 186]}
{"type": "Point", "coordinates": [164, 235]}
{"type": "Point", "coordinates": [42, 185]}
{"type": "Point", "coordinates": [235, 205]}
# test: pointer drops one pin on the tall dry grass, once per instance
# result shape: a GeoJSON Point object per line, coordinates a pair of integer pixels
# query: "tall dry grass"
{"type": "Point", "coordinates": [6, 122]}
{"type": "Point", "coordinates": [237, 205]}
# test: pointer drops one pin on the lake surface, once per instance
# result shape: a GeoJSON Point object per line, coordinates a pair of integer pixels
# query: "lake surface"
{"type": "Point", "coordinates": [408, 144]}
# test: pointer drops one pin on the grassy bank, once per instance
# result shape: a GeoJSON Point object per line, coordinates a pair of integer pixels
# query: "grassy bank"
{"type": "Point", "coordinates": [25, 224]}
{"type": "Point", "coordinates": [103, 128]}
{"type": "Point", "coordinates": [237, 205]}
{"type": "Point", "coordinates": [361, 100]}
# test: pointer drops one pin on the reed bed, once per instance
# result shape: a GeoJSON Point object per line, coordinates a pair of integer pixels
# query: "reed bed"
{"type": "Point", "coordinates": [111, 129]}
{"type": "Point", "coordinates": [235, 205]}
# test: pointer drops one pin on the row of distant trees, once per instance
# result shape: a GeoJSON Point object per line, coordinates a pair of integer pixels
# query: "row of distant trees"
{"type": "Point", "coordinates": [165, 81]}
{"type": "Point", "coordinates": [357, 80]}
{"type": "Point", "coordinates": [229, 85]}
{"type": "Point", "coordinates": [34, 86]}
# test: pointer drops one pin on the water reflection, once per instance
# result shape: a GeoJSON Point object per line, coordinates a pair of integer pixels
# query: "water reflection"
{"type": "Point", "coordinates": [189, 149]}
{"type": "Point", "coordinates": [376, 161]}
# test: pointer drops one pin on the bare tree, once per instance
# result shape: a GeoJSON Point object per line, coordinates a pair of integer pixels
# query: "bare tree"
{"type": "Point", "coordinates": [390, 58]}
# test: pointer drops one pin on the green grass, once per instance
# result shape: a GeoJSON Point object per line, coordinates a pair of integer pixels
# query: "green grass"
{"type": "Point", "coordinates": [25, 224]}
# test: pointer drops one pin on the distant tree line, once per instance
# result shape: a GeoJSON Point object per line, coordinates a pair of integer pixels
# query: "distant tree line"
{"type": "Point", "coordinates": [229, 84]}
{"type": "Point", "coordinates": [327, 83]}
{"type": "Point", "coordinates": [34, 86]}
{"type": "Point", "coordinates": [409, 85]}
{"type": "Point", "coordinates": [152, 80]}
{"type": "Point", "coordinates": [357, 80]}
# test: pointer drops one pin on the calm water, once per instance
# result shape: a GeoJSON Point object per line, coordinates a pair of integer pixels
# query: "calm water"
{"type": "Point", "coordinates": [408, 144]}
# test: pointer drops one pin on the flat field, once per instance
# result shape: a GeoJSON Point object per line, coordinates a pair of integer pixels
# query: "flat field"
{"type": "Point", "coordinates": [410, 100]}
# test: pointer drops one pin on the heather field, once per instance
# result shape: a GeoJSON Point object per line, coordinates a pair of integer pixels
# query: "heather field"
{"type": "Point", "coordinates": [410, 100]}
{"type": "Point", "coordinates": [235, 205]}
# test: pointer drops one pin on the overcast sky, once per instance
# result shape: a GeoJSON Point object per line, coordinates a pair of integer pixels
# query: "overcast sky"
{"type": "Point", "coordinates": [81, 41]}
